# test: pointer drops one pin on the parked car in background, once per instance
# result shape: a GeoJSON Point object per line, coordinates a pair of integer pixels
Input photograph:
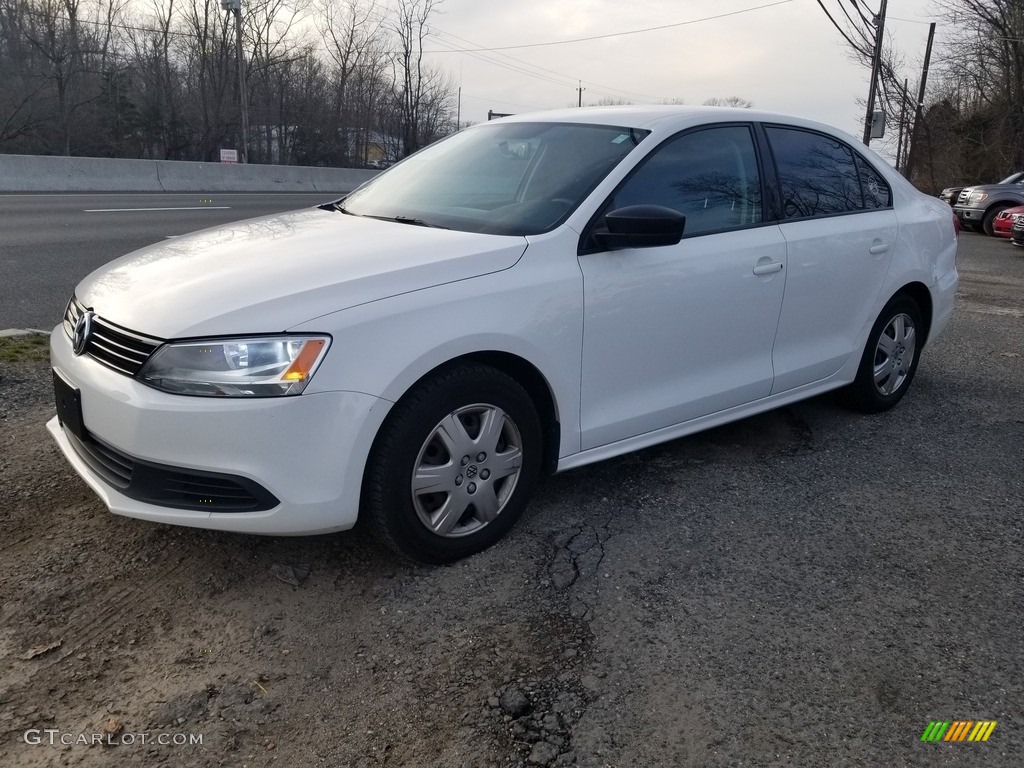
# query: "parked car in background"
{"type": "Point", "coordinates": [1003, 224]}
{"type": "Point", "coordinates": [978, 206]}
{"type": "Point", "coordinates": [950, 194]}
{"type": "Point", "coordinates": [528, 295]}
{"type": "Point", "coordinates": [1017, 233]}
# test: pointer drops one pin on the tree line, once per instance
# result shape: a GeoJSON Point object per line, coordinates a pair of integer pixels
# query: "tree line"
{"type": "Point", "coordinates": [973, 129]}
{"type": "Point", "coordinates": [339, 83]}
{"type": "Point", "coordinates": [972, 123]}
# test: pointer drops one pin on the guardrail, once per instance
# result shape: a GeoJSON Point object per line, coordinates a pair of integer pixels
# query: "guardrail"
{"type": "Point", "coordinates": [40, 173]}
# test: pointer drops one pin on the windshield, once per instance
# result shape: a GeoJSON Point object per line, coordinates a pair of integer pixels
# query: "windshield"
{"type": "Point", "coordinates": [1016, 178]}
{"type": "Point", "coordinates": [503, 179]}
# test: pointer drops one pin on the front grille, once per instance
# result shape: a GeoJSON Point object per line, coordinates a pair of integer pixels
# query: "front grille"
{"type": "Point", "coordinates": [167, 486]}
{"type": "Point", "coordinates": [116, 347]}
{"type": "Point", "coordinates": [963, 197]}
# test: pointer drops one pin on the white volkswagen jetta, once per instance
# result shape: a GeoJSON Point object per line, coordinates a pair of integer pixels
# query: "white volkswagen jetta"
{"type": "Point", "coordinates": [527, 296]}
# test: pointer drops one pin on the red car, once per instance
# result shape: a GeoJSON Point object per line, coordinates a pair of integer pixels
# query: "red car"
{"type": "Point", "coordinates": [1003, 222]}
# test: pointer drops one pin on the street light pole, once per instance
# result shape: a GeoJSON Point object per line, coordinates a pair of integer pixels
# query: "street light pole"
{"type": "Point", "coordinates": [876, 64]}
{"type": "Point", "coordinates": [235, 7]}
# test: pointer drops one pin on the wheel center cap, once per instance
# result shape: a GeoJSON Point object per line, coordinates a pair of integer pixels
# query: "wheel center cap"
{"type": "Point", "coordinates": [471, 471]}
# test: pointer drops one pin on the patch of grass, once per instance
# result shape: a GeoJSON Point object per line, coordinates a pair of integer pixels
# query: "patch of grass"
{"type": "Point", "coordinates": [18, 349]}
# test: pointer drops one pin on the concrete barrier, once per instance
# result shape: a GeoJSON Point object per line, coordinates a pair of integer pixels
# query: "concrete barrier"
{"type": "Point", "coordinates": [39, 173]}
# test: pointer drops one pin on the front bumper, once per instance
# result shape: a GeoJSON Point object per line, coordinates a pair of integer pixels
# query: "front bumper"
{"type": "Point", "coordinates": [308, 452]}
{"type": "Point", "coordinates": [969, 215]}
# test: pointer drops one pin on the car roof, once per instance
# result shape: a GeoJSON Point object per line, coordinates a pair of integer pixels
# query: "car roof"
{"type": "Point", "coordinates": [653, 116]}
{"type": "Point", "coordinates": [668, 118]}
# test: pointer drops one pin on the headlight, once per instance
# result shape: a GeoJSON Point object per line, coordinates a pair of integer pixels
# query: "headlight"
{"type": "Point", "coordinates": [255, 367]}
{"type": "Point", "coordinates": [979, 197]}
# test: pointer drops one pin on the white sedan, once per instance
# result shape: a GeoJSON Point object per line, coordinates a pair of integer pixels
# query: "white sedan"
{"type": "Point", "coordinates": [529, 295]}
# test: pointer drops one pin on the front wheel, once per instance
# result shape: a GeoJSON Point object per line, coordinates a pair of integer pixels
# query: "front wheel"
{"type": "Point", "coordinates": [454, 465]}
{"type": "Point", "coordinates": [988, 223]}
{"type": "Point", "coordinates": [890, 358]}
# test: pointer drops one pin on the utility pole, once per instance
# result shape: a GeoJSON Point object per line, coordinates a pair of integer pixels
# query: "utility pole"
{"type": "Point", "coordinates": [876, 65]}
{"type": "Point", "coordinates": [912, 149]}
{"type": "Point", "coordinates": [903, 118]}
{"type": "Point", "coordinates": [235, 7]}
{"type": "Point", "coordinates": [579, 91]}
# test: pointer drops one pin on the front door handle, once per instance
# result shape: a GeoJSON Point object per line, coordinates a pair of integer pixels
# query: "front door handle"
{"type": "Point", "coordinates": [767, 269]}
{"type": "Point", "coordinates": [877, 248]}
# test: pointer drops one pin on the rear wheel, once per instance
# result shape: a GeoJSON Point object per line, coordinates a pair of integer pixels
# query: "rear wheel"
{"type": "Point", "coordinates": [890, 358]}
{"type": "Point", "coordinates": [454, 465]}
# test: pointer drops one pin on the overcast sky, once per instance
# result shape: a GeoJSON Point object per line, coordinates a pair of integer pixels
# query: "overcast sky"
{"type": "Point", "coordinates": [787, 57]}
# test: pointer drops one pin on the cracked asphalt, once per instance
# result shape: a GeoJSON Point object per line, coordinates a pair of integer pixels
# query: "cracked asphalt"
{"type": "Point", "coordinates": [810, 587]}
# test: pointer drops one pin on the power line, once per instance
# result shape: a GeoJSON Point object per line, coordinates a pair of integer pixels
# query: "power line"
{"type": "Point", "coordinates": [599, 88]}
{"type": "Point", "coordinates": [128, 27]}
{"type": "Point", "coordinates": [860, 13]}
{"type": "Point", "coordinates": [853, 23]}
{"type": "Point", "coordinates": [838, 28]}
{"type": "Point", "coordinates": [621, 34]}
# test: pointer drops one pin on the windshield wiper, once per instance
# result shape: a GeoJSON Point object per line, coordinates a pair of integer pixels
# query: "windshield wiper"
{"type": "Point", "coordinates": [403, 220]}
{"type": "Point", "coordinates": [414, 221]}
{"type": "Point", "coordinates": [337, 206]}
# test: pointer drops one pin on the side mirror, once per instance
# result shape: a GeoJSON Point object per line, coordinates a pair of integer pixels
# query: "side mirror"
{"type": "Point", "coordinates": [641, 226]}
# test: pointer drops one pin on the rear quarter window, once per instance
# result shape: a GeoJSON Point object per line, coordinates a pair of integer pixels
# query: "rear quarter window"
{"type": "Point", "coordinates": [820, 175]}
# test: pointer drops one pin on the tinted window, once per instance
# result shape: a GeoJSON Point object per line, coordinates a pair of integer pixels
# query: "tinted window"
{"type": "Point", "coordinates": [817, 173]}
{"type": "Point", "coordinates": [874, 188]}
{"type": "Point", "coordinates": [710, 176]}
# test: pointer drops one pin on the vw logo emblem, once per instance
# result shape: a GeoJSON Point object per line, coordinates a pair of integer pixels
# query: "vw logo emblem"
{"type": "Point", "coordinates": [83, 330]}
{"type": "Point", "coordinates": [471, 471]}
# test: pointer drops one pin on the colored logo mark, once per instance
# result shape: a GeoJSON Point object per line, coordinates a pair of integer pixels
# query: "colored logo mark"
{"type": "Point", "coordinates": [958, 730]}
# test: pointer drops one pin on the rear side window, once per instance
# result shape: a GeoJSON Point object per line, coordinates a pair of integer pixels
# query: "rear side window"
{"type": "Point", "coordinates": [821, 176]}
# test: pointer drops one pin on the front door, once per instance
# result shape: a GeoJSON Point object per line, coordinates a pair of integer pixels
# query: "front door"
{"type": "Point", "coordinates": [674, 333]}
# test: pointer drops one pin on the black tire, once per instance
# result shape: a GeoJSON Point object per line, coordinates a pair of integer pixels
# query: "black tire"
{"type": "Point", "coordinates": [885, 371]}
{"type": "Point", "coordinates": [987, 223]}
{"type": "Point", "coordinates": [467, 502]}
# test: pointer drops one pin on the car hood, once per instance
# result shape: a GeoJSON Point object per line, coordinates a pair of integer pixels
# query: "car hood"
{"type": "Point", "coordinates": [269, 274]}
{"type": "Point", "coordinates": [996, 188]}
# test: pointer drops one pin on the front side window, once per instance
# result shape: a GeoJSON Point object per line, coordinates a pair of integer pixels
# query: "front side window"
{"type": "Point", "coordinates": [502, 178]}
{"type": "Point", "coordinates": [818, 175]}
{"type": "Point", "coordinates": [709, 175]}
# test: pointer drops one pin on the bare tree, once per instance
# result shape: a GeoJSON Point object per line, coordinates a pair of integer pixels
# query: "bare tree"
{"type": "Point", "coordinates": [352, 35]}
{"type": "Point", "coordinates": [983, 71]}
{"type": "Point", "coordinates": [22, 107]}
{"type": "Point", "coordinates": [729, 101]}
{"type": "Point", "coordinates": [410, 29]}
{"type": "Point", "coordinates": [206, 51]}
{"type": "Point", "coordinates": [105, 78]}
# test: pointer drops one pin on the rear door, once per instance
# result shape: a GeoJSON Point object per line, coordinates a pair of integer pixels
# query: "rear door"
{"type": "Point", "coordinates": [840, 229]}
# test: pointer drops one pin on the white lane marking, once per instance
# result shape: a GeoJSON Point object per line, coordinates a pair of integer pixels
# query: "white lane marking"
{"type": "Point", "coordinates": [191, 208]}
{"type": "Point", "coordinates": [988, 309]}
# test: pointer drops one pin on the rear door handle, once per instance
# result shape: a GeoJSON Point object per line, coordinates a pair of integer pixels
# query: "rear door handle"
{"type": "Point", "coordinates": [767, 269]}
{"type": "Point", "coordinates": [877, 248]}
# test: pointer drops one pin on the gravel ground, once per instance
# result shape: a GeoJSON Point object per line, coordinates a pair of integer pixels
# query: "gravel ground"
{"type": "Point", "coordinates": [809, 587]}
